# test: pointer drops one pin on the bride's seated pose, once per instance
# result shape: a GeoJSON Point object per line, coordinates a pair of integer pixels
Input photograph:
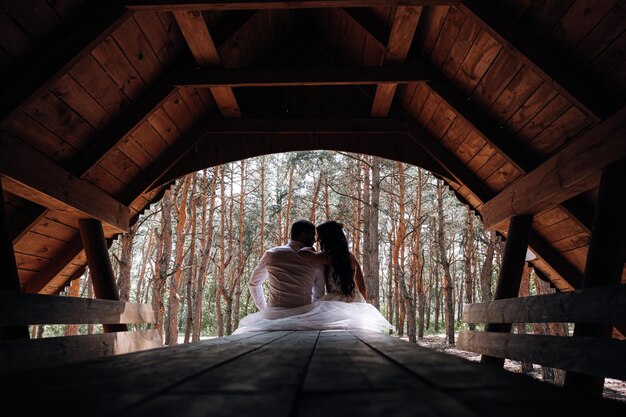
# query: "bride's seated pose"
{"type": "Point", "coordinates": [344, 305]}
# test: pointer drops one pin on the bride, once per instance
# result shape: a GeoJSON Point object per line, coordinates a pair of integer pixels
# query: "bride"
{"type": "Point", "coordinates": [342, 308]}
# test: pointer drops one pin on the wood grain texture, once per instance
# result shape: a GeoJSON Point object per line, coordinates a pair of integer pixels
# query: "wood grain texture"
{"type": "Point", "coordinates": [600, 305]}
{"type": "Point", "coordinates": [51, 186]}
{"type": "Point", "coordinates": [22, 355]}
{"type": "Point", "coordinates": [562, 352]}
{"type": "Point", "coordinates": [302, 373]}
{"type": "Point", "coordinates": [573, 170]}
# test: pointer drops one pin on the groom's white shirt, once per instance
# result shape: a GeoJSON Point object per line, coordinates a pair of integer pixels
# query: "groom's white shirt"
{"type": "Point", "coordinates": [292, 281]}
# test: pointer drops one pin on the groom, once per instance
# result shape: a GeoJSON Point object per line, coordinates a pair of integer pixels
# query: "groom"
{"type": "Point", "coordinates": [292, 282]}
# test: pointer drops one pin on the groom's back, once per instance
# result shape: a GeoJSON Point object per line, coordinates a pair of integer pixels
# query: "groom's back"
{"type": "Point", "coordinates": [291, 280]}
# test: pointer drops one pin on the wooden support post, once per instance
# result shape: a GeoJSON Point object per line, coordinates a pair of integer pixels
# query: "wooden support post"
{"type": "Point", "coordinates": [9, 278]}
{"type": "Point", "coordinates": [510, 276]}
{"type": "Point", "coordinates": [605, 263]}
{"type": "Point", "coordinates": [102, 276]}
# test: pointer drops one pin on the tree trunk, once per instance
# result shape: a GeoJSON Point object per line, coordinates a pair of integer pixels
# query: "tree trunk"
{"type": "Point", "coordinates": [174, 297]}
{"type": "Point", "coordinates": [314, 200]}
{"type": "Point", "coordinates": [221, 266]}
{"type": "Point", "coordinates": [445, 263]}
{"type": "Point", "coordinates": [191, 272]}
{"type": "Point", "coordinates": [206, 241]}
{"type": "Point", "coordinates": [326, 199]}
{"type": "Point", "coordinates": [145, 256]}
{"type": "Point", "coordinates": [374, 268]}
{"type": "Point", "coordinates": [126, 263]}
{"type": "Point", "coordinates": [486, 271]}
{"type": "Point", "coordinates": [469, 258]}
{"type": "Point", "coordinates": [241, 260]}
{"type": "Point", "coordinates": [164, 252]}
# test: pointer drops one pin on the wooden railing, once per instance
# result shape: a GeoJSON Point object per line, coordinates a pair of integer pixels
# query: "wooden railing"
{"type": "Point", "coordinates": [587, 355]}
{"type": "Point", "coordinates": [17, 309]}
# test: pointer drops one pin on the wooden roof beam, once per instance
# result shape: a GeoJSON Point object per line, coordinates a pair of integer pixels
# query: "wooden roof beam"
{"type": "Point", "coordinates": [196, 33]}
{"type": "Point", "coordinates": [573, 170]}
{"type": "Point", "coordinates": [197, 5]}
{"type": "Point", "coordinates": [59, 60]}
{"type": "Point", "coordinates": [566, 81]}
{"type": "Point", "coordinates": [400, 40]}
{"type": "Point", "coordinates": [291, 77]}
{"type": "Point", "coordinates": [34, 177]}
{"type": "Point", "coordinates": [218, 149]}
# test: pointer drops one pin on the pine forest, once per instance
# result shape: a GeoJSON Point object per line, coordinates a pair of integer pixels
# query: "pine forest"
{"type": "Point", "coordinates": [424, 254]}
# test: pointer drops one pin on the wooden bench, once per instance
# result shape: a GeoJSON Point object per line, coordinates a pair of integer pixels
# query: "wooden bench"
{"type": "Point", "coordinates": [17, 309]}
{"type": "Point", "coordinates": [586, 355]}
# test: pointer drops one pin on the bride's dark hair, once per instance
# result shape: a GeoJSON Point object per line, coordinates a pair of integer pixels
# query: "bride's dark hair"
{"type": "Point", "coordinates": [333, 241]}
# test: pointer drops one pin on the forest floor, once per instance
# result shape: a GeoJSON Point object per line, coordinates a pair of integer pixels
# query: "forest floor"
{"type": "Point", "coordinates": [613, 388]}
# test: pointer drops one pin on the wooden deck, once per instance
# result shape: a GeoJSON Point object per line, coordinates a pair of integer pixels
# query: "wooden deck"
{"type": "Point", "coordinates": [303, 373]}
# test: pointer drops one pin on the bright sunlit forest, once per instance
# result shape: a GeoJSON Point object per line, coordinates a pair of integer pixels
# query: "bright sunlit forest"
{"type": "Point", "coordinates": [423, 252]}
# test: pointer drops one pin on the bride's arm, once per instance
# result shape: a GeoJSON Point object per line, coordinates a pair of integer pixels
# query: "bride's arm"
{"type": "Point", "coordinates": [308, 255]}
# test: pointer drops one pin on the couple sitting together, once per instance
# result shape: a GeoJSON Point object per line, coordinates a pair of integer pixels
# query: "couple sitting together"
{"type": "Point", "coordinates": [311, 290]}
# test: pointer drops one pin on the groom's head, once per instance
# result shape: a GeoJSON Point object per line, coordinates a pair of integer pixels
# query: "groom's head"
{"type": "Point", "coordinates": [303, 231]}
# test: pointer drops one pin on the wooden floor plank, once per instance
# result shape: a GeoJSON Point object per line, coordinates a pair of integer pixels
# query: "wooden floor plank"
{"type": "Point", "coordinates": [487, 391]}
{"type": "Point", "coordinates": [295, 374]}
{"type": "Point", "coordinates": [264, 381]}
{"type": "Point", "coordinates": [126, 381]}
{"type": "Point", "coordinates": [347, 377]}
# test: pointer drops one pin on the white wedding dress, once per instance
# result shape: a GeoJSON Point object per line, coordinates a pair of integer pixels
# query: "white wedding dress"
{"type": "Point", "coordinates": [333, 312]}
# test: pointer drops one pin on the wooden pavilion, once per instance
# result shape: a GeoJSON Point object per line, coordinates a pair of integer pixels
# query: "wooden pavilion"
{"type": "Point", "coordinates": [518, 105]}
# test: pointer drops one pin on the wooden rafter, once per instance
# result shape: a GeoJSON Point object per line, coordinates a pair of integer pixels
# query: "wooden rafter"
{"type": "Point", "coordinates": [59, 60]}
{"type": "Point", "coordinates": [82, 165]}
{"type": "Point", "coordinates": [203, 49]}
{"type": "Point", "coordinates": [34, 177]}
{"type": "Point", "coordinates": [573, 170]}
{"type": "Point", "coordinates": [174, 5]}
{"type": "Point", "coordinates": [398, 45]}
{"type": "Point", "coordinates": [289, 77]}
{"type": "Point", "coordinates": [506, 145]}
{"type": "Point", "coordinates": [566, 81]}
{"type": "Point", "coordinates": [461, 174]}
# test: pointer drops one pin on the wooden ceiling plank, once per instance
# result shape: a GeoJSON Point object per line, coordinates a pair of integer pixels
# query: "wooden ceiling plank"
{"type": "Point", "coordinates": [53, 268]}
{"type": "Point", "coordinates": [398, 45]}
{"type": "Point", "coordinates": [572, 171]}
{"type": "Point", "coordinates": [508, 146]}
{"type": "Point", "coordinates": [59, 60]}
{"type": "Point", "coordinates": [290, 77]}
{"type": "Point", "coordinates": [51, 186]}
{"type": "Point", "coordinates": [196, 33]}
{"type": "Point", "coordinates": [513, 37]}
{"type": "Point", "coordinates": [185, 5]}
